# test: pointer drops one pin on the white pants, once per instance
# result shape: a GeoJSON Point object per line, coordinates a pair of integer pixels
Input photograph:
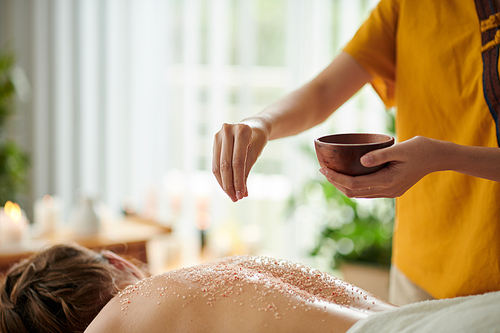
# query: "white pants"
{"type": "Point", "coordinates": [403, 291]}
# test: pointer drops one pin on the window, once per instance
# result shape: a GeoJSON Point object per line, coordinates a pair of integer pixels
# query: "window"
{"type": "Point", "coordinates": [127, 95]}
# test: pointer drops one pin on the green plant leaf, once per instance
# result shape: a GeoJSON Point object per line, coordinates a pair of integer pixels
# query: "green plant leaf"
{"type": "Point", "coordinates": [14, 162]}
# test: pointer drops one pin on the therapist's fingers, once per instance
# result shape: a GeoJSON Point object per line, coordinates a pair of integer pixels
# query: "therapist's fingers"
{"type": "Point", "coordinates": [226, 164]}
{"type": "Point", "coordinates": [216, 152]}
{"type": "Point", "coordinates": [236, 149]}
{"type": "Point", "coordinates": [363, 193]}
{"type": "Point", "coordinates": [368, 193]}
{"type": "Point", "coordinates": [222, 166]}
{"type": "Point", "coordinates": [242, 140]}
{"type": "Point", "coordinates": [350, 182]}
{"type": "Point", "coordinates": [355, 187]}
{"type": "Point", "coordinates": [380, 156]}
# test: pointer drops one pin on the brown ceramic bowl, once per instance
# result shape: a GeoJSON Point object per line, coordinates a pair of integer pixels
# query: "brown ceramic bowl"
{"type": "Point", "coordinates": [341, 152]}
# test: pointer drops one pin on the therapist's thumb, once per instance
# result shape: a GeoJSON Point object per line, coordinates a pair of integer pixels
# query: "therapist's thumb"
{"type": "Point", "coordinates": [376, 157]}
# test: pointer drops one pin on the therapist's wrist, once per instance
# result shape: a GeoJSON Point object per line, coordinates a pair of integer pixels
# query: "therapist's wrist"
{"type": "Point", "coordinates": [443, 155]}
{"type": "Point", "coordinates": [259, 123]}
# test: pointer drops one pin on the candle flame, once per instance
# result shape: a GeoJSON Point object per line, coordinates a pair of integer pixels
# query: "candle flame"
{"type": "Point", "coordinates": [13, 210]}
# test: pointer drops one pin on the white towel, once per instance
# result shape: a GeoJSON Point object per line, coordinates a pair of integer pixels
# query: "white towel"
{"type": "Point", "coordinates": [479, 313]}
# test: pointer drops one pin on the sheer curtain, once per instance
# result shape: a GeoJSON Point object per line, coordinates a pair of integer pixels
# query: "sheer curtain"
{"type": "Point", "coordinates": [126, 96]}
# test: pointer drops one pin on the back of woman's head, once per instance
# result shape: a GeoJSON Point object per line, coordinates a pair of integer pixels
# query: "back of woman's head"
{"type": "Point", "coordinates": [60, 289]}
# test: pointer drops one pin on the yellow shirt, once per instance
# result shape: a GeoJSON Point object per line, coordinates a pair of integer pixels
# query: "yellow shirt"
{"type": "Point", "coordinates": [426, 59]}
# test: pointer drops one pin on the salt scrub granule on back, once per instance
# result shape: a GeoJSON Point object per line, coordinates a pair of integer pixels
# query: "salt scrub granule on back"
{"type": "Point", "coordinates": [230, 277]}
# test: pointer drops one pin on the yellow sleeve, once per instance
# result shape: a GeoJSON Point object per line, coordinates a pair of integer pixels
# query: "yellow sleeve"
{"type": "Point", "coordinates": [374, 48]}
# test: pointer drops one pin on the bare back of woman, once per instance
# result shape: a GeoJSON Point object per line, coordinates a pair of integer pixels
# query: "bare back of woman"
{"type": "Point", "coordinates": [238, 294]}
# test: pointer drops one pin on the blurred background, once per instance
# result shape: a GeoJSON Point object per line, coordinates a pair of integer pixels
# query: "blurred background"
{"type": "Point", "coordinates": [109, 108]}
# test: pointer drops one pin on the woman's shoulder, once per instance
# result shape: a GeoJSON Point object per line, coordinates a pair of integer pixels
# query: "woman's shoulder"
{"type": "Point", "coordinates": [145, 306]}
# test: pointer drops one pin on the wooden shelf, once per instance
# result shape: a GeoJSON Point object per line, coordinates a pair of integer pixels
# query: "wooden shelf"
{"type": "Point", "coordinates": [127, 238]}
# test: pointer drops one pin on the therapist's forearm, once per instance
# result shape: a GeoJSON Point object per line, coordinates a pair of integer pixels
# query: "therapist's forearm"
{"type": "Point", "coordinates": [482, 162]}
{"type": "Point", "coordinates": [314, 102]}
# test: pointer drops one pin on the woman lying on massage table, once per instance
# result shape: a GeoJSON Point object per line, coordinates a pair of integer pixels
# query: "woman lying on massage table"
{"type": "Point", "coordinates": [66, 288]}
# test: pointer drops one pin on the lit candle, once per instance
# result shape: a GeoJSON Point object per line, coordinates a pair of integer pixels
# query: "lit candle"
{"type": "Point", "coordinates": [47, 214]}
{"type": "Point", "coordinates": [13, 224]}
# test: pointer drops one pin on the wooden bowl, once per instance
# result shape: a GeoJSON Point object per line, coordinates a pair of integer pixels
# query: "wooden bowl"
{"type": "Point", "coordinates": [342, 152]}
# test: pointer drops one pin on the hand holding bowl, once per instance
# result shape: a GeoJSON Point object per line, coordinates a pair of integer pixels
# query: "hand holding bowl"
{"type": "Point", "coordinates": [342, 152]}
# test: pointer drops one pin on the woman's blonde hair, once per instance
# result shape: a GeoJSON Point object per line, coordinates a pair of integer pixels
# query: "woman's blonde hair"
{"type": "Point", "coordinates": [60, 289]}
